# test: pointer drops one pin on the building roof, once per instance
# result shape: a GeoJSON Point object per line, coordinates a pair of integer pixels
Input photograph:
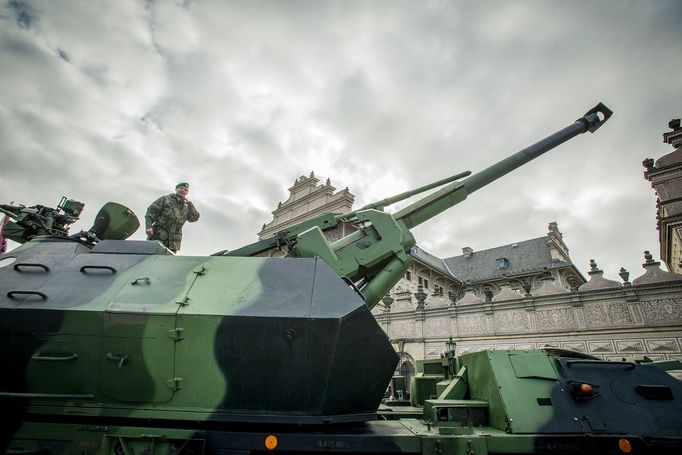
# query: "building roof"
{"type": "Point", "coordinates": [431, 260]}
{"type": "Point", "coordinates": [529, 256]}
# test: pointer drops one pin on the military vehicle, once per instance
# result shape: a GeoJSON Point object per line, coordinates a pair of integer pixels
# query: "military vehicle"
{"type": "Point", "coordinates": [115, 346]}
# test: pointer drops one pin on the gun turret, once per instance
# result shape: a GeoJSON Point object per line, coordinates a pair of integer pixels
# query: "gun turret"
{"type": "Point", "coordinates": [375, 256]}
{"type": "Point", "coordinates": [113, 221]}
{"type": "Point", "coordinates": [28, 222]}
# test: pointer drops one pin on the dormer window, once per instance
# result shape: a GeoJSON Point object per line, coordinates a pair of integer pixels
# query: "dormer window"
{"type": "Point", "coordinates": [502, 263]}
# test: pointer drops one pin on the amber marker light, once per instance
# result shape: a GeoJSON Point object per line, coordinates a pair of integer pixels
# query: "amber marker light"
{"type": "Point", "coordinates": [624, 446]}
{"type": "Point", "coordinates": [585, 389]}
{"type": "Point", "coordinates": [271, 442]}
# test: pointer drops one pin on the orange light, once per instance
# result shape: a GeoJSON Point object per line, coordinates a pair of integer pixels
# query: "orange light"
{"type": "Point", "coordinates": [271, 442]}
{"type": "Point", "coordinates": [624, 446]}
{"type": "Point", "coordinates": [586, 389]}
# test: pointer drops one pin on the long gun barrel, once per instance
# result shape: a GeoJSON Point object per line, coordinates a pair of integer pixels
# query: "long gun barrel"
{"type": "Point", "coordinates": [7, 211]}
{"type": "Point", "coordinates": [432, 205]}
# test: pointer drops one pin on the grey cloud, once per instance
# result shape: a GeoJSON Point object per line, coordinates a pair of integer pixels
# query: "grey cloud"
{"type": "Point", "coordinates": [23, 14]}
{"type": "Point", "coordinates": [380, 96]}
{"type": "Point", "coordinates": [63, 55]}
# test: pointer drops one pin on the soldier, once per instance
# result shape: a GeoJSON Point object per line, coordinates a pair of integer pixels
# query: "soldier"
{"type": "Point", "coordinates": [167, 214]}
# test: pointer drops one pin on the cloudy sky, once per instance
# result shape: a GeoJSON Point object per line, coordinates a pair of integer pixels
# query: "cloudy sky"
{"type": "Point", "coordinates": [119, 100]}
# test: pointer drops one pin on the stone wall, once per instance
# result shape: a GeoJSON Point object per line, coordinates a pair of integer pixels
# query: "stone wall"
{"type": "Point", "coordinates": [629, 322]}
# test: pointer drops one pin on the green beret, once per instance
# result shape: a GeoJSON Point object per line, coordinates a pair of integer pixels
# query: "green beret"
{"type": "Point", "coordinates": [185, 184]}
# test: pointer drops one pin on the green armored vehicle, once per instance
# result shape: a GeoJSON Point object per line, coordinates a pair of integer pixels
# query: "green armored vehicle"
{"type": "Point", "coordinates": [110, 345]}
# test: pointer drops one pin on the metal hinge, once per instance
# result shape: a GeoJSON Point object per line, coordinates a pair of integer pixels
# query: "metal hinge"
{"type": "Point", "coordinates": [174, 383]}
{"type": "Point", "coordinates": [184, 302]}
{"type": "Point", "coordinates": [201, 270]}
{"type": "Point", "coordinates": [176, 334]}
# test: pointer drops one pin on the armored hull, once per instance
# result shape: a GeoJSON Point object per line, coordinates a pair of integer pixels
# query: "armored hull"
{"type": "Point", "coordinates": [124, 330]}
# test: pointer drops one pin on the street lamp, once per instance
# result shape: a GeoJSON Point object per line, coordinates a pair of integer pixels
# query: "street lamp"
{"type": "Point", "coordinates": [451, 347]}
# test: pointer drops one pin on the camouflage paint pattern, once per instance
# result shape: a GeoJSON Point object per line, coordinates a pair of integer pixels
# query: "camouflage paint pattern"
{"type": "Point", "coordinates": [207, 326]}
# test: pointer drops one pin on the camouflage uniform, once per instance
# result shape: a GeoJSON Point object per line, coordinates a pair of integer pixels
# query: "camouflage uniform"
{"type": "Point", "coordinates": [166, 216]}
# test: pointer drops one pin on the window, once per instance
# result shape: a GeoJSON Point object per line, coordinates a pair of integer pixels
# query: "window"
{"type": "Point", "coordinates": [421, 280]}
{"type": "Point", "coordinates": [426, 284]}
{"type": "Point", "coordinates": [502, 263]}
{"type": "Point", "coordinates": [408, 275]}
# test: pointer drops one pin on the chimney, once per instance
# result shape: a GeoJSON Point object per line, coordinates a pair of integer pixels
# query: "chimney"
{"type": "Point", "coordinates": [467, 251]}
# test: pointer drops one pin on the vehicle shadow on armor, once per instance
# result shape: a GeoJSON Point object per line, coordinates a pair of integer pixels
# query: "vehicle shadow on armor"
{"type": "Point", "coordinates": [290, 355]}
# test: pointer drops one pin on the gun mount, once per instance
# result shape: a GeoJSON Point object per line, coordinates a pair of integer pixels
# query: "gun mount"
{"type": "Point", "coordinates": [29, 222]}
{"type": "Point", "coordinates": [113, 222]}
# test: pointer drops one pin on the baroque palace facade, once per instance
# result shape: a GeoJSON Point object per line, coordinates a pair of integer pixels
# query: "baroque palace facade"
{"type": "Point", "coordinates": [526, 295]}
